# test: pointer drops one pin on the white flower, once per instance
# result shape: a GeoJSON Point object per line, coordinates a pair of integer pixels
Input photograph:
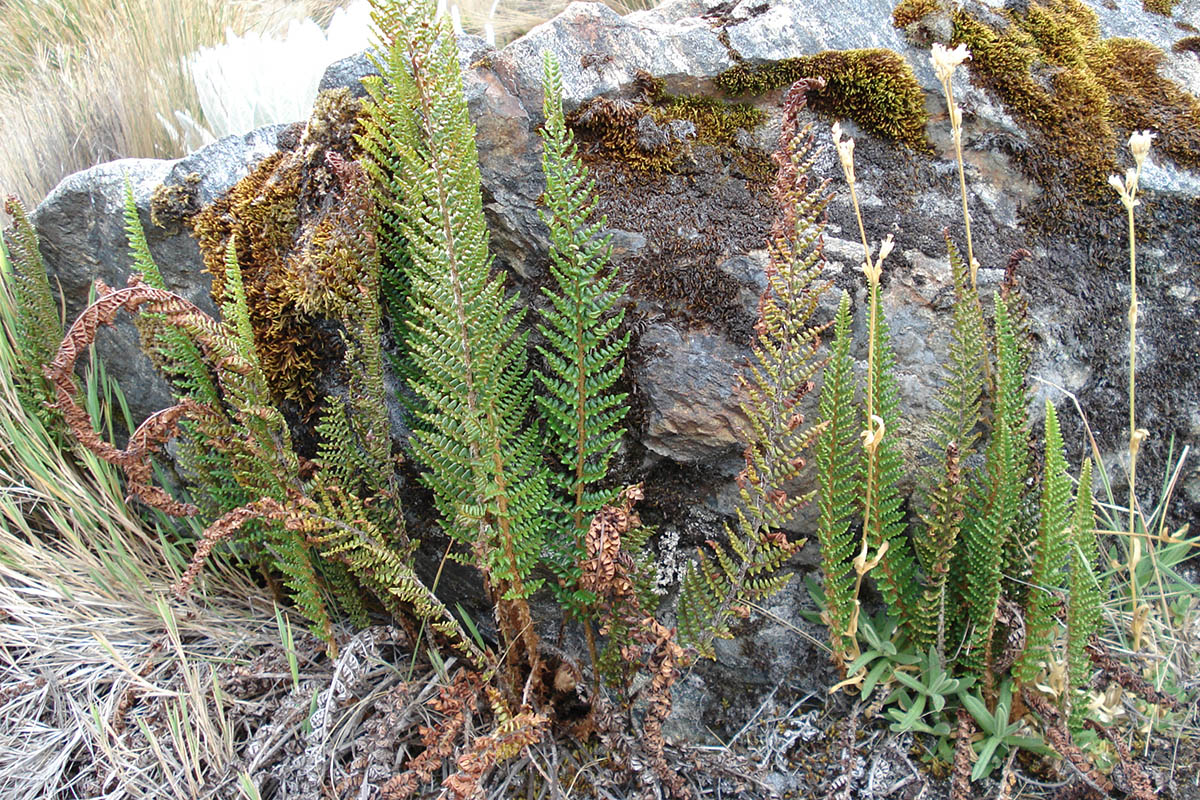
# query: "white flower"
{"type": "Point", "coordinates": [945, 60]}
{"type": "Point", "coordinates": [1139, 143]}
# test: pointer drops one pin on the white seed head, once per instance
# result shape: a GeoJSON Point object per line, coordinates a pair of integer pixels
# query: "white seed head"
{"type": "Point", "coordinates": [845, 148]}
{"type": "Point", "coordinates": [1139, 143]}
{"type": "Point", "coordinates": [945, 60]}
{"type": "Point", "coordinates": [1127, 187]}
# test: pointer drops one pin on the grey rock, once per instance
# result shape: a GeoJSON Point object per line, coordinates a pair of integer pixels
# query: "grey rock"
{"type": "Point", "coordinates": [82, 231]}
{"type": "Point", "coordinates": [348, 73]}
{"type": "Point", "coordinates": [689, 379]}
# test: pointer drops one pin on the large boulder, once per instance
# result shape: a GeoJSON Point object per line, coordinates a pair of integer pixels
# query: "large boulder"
{"type": "Point", "coordinates": [81, 226]}
{"type": "Point", "coordinates": [684, 178]}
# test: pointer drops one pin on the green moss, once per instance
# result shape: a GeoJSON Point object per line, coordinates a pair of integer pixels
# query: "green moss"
{"type": "Point", "coordinates": [1141, 99]}
{"type": "Point", "coordinates": [1079, 95]}
{"type": "Point", "coordinates": [875, 88]}
{"type": "Point", "coordinates": [1188, 44]}
{"type": "Point", "coordinates": [640, 134]}
{"type": "Point", "coordinates": [296, 260]}
{"type": "Point", "coordinates": [1164, 7]}
{"type": "Point", "coordinates": [909, 11]}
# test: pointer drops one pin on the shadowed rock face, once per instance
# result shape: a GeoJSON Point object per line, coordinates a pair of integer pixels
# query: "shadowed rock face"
{"type": "Point", "coordinates": [689, 241]}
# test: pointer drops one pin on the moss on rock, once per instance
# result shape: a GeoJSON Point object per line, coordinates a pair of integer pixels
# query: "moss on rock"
{"type": "Point", "coordinates": [175, 204]}
{"type": "Point", "coordinates": [295, 264]}
{"type": "Point", "coordinates": [907, 12]}
{"type": "Point", "coordinates": [1163, 7]}
{"type": "Point", "coordinates": [1079, 95]}
{"type": "Point", "coordinates": [875, 88]}
{"type": "Point", "coordinates": [653, 133]}
{"type": "Point", "coordinates": [1188, 44]}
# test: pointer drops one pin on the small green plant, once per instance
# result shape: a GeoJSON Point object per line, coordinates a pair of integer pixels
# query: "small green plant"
{"type": "Point", "coordinates": [1000, 732]}
{"type": "Point", "coordinates": [884, 656]}
{"type": "Point", "coordinates": [926, 694]}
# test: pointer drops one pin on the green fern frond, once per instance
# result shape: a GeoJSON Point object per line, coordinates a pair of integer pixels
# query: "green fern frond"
{"type": "Point", "coordinates": [1085, 599]}
{"type": "Point", "coordinates": [839, 483]}
{"type": "Point", "coordinates": [782, 367]}
{"type": "Point", "coordinates": [883, 520]}
{"type": "Point", "coordinates": [38, 327]}
{"type": "Point", "coordinates": [1050, 557]}
{"type": "Point", "coordinates": [992, 511]}
{"type": "Point", "coordinates": [584, 356]}
{"type": "Point", "coordinates": [956, 433]}
{"type": "Point", "coordinates": [472, 382]}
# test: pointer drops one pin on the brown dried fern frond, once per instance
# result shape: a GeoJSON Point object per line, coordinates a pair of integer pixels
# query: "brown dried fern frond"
{"type": "Point", "coordinates": [509, 739]}
{"type": "Point", "coordinates": [455, 703]}
{"type": "Point", "coordinates": [1137, 784]}
{"type": "Point", "coordinates": [1059, 737]}
{"type": "Point", "coordinates": [1120, 673]}
{"type": "Point", "coordinates": [960, 781]}
{"type": "Point", "coordinates": [606, 572]}
{"type": "Point", "coordinates": [157, 429]}
{"type": "Point", "coordinates": [228, 525]}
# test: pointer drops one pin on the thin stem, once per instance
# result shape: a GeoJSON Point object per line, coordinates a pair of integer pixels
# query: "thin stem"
{"type": "Point", "coordinates": [956, 128]}
{"type": "Point", "coordinates": [1135, 553]}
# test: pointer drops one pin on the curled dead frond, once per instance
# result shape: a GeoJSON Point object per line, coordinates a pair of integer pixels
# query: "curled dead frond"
{"type": "Point", "coordinates": [509, 739]}
{"type": "Point", "coordinates": [607, 573]}
{"type": "Point", "coordinates": [159, 427]}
